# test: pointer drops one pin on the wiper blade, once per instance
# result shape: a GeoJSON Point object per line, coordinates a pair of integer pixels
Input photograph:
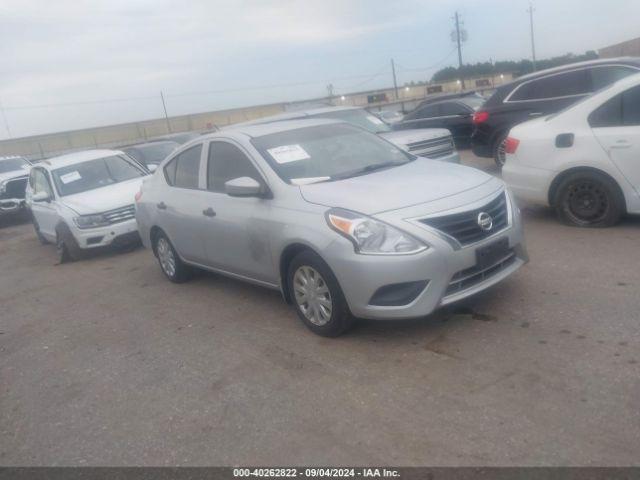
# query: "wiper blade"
{"type": "Point", "coordinates": [367, 169]}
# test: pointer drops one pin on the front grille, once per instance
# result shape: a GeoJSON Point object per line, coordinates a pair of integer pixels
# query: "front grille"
{"type": "Point", "coordinates": [464, 226]}
{"type": "Point", "coordinates": [472, 276]}
{"type": "Point", "coordinates": [433, 148]}
{"type": "Point", "coordinates": [120, 214]}
{"type": "Point", "coordinates": [15, 188]}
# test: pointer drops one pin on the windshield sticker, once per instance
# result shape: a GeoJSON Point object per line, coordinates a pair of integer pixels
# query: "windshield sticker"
{"type": "Point", "coordinates": [288, 153]}
{"type": "Point", "coordinates": [375, 120]}
{"type": "Point", "coordinates": [70, 177]}
{"type": "Point", "coordinates": [308, 180]}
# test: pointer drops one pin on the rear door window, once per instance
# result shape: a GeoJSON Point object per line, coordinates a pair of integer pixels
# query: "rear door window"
{"type": "Point", "coordinates": [452, 108]}
{"type": "Point", "coordinates": [602, 77]}
{"type": "Point", "coordinates": [621, 110]}
{"type": "Point", "coordinates": [568, 84]}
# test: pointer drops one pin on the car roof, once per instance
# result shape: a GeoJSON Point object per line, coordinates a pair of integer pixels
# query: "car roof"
{"type": "Point", "coordinates": [262, 129]}
{"type": "Point", "coordinates": [634, 61]}
{"type": "Point", "coordinates": [294, 115]}
{"type": "Point", "coordinates": [77, 157]}
{"type": "Point", "coordinates": [150, 143]}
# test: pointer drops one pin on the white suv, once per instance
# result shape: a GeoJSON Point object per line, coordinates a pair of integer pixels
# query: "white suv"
{"type": "Point", "coordinates": [85, 200]}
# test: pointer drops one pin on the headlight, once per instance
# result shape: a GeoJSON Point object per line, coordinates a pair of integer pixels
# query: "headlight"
{"type": "Point", "coordinates": [3, 187]}
{"type": "Point", "coordinates": [372, 237]}
{"type": "Point", "coordinates": [91, 221]}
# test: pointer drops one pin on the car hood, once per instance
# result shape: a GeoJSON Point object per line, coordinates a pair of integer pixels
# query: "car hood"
{"type": "Point", "coordinates": [418, 182]}
{"type": "Point", "coordinates": [405, 137]}
{"type": "Point", "coordinates": [14, 174]}
{"type": "Point", "coordinates": [105, 198]}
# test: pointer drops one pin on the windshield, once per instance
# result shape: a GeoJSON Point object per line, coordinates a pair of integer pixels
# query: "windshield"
{"type": "Point", "coordinates": [327, 152]}
{"type": "Point", "coordinates": [360, 118]}
{"type": "Point", "coordinates": [92, 174]}
{"type": "Point", "coordinates": [12, 164]}
{"type": "Point", "coordinates": [152, 153]}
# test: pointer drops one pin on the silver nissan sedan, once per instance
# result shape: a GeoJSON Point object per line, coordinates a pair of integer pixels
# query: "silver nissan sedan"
{"type": "Point", "coordinates": [342, 222]}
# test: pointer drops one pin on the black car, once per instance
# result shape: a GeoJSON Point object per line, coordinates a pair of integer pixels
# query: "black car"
{"type": "Point", "coordinates": [541, 93]}
{"type": "Point", "coordinates": [152, 153]}
{"type": "Point", "coordinates": [455, 114]}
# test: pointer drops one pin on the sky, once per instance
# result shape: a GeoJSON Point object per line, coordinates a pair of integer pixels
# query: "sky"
{"type": "Point", "coordinates": [70, 64]}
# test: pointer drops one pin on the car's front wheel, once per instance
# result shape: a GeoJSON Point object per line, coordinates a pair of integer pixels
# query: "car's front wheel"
{"type": "Point", "coordinates": [66, 245]}
{"type": "Point", "coordinates": [317, 296]}
{"type": "Point", "coordinates": [170, 263]}
{"type": "Point", "coordinates": [588, 199]}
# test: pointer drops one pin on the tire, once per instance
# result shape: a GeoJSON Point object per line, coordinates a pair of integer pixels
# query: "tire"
{"type": "Point", "coordinates": [168, 259]}
{"type": "Point", "coordinates": [588, 199]}
{"type": "Point", "coordinates": [328, 314]}
{"type": "Point", "coordinates": [36, 227]}
{"type": "Point", "coordinates": [499, 155]}
{"type": "Point", "coordinates": [67, 247]}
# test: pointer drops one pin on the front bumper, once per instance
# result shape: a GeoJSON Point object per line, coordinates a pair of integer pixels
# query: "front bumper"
{"type": "Point", "coordinates": [442, 266]}
{"type": "Point", "coordinates": [115, 234]}
{"type": "Point", "coordinates": [12, 205]}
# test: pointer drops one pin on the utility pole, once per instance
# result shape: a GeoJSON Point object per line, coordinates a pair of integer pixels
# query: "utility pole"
{"type": "Point", "coordinates": [459, 42]}
{"type": "Point", "coordinates": [533, 42]}
{"type": "Point", "coordinates": [330, 93]}
{"type": "Point", "coordinates": [6, 122]}
{"type": "Point", "coordinates": [166, 117]}
{"type": "Point", "coordinates": [395, 82]}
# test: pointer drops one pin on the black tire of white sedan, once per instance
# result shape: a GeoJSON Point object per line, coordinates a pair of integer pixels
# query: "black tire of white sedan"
{"type": "Point", "coordinates": [317, 297]}
{"type": "Point", "coordinates": [170, 263]}
{"type": "Point", "coordinates": [589, 199]}
{"type": "Point", "coordinates": [66, 245]}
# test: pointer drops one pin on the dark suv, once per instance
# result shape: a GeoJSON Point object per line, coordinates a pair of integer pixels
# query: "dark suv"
{"type": "Point", "coordinates": [541, 93]}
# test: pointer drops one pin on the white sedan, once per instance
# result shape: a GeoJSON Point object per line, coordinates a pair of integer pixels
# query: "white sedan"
{"type": "Point", "coordinates": [583, 161]}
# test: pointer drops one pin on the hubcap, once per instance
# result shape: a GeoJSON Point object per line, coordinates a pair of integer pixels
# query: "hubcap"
{"type": "Point", "coordinates": [166, 258]}
{"type": "Point", "coordinates": [312, 295]}
{"type": "Point", "coordinates": [587, 201]}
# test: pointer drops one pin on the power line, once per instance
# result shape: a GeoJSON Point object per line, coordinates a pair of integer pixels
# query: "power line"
{"type": "Point", "coordinates": [430, 67]}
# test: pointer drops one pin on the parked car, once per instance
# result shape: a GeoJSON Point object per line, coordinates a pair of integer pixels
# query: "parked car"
{"type": "Point", "coordinates": [85, 200]}
{"type": "Point", "coordinates": [455, 114]}
{"type": "Point", "coordinates": [342, 222]}
{"type": "Point", "coordinates": [14, 172]}
{"type": "Point", "coordinates": [433, 143]}
{"type": "Point", "coordinates": [539, 94]}
{"type": "Point", "coordinates": [150, 154]}
{"type": "Point", "coordinates": [584, 161]}
{"type": "Point", "coordinates": [390, 117]}
{"type": "Point", "coordinates": [180, 138]}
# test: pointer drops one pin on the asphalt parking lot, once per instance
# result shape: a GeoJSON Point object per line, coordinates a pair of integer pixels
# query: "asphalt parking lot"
{"type": "Point", "coordinates": [104, 362]}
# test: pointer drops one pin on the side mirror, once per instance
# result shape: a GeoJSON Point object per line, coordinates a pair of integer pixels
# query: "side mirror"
{"type": "Point", "coordinates": [40, 197]}
{"type": "Point", "coordinates": [243, 187]}
{"type": "Point", "coordinates": [152, 167]}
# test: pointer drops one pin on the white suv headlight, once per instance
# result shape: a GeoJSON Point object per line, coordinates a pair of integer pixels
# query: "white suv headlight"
{"type": "Point", "coordinates": [91, 221]}
{"type": "Point", "coordinates": [370, 236]}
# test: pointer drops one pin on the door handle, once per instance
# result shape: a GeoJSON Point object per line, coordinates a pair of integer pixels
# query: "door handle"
{"type": "Point", "coordinates": [161, 206]}
{"type": "Point", "coordinates": [209, 212]}
{"type": "Point", "coordinates": [621, 144]}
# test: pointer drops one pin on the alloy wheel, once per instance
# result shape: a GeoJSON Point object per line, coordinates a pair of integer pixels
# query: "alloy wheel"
{"type": "Point", "coordinates": [166, 257]}
{"type": "Point", "coordinates": [312, 295]}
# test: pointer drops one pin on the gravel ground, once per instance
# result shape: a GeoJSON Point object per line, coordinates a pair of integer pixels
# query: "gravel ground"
{"type": "Point", "coordinates": [104, 362]}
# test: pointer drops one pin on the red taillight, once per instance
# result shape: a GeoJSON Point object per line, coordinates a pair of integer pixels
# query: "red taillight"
{"type": "Point", "coordinates": [138, 195]}
{"type": "Point", "coordinates": [511, 145]}
{"type": "Point", "coordinates": [480, 117]}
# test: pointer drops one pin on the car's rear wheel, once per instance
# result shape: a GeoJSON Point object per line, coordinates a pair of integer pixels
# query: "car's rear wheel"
{"type": "Point", "coordinates": [66, 245]}
{"type": "Point", "coordinates": [317, 296]}
{"type": "Point", "coordinates": [170, 263]}
{"type": "Point", "coordinates": [589, 199]}
{"type": "Point", "coordinates": [499, 151]}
